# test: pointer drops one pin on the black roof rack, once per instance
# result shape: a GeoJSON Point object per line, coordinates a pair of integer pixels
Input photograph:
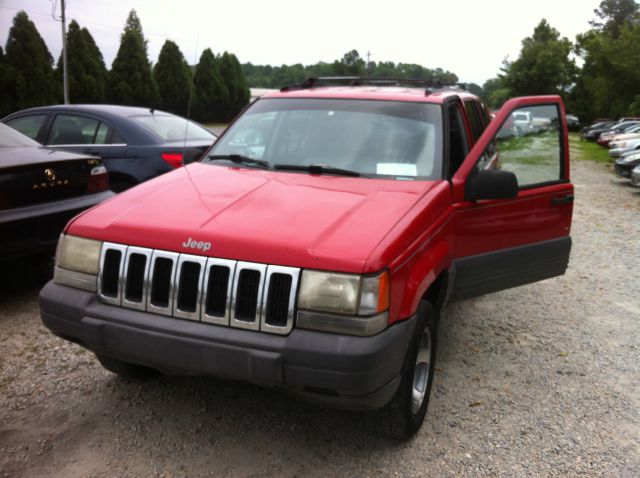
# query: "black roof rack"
{"type": "Point", "coordinates": [429, 86]}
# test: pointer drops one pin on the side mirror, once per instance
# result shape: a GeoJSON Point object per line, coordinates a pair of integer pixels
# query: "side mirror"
{"type": "Point", "coordinates": [491, 184]}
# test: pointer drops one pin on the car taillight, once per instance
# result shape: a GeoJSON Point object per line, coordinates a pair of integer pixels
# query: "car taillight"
{"type": "Point", "coordinates": [98, 180]}
{"type": "Point", "coordinates": [173, 159]}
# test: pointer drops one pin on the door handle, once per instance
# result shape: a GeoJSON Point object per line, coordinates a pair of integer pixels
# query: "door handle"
{"type": "Point", "coordinates": [562, 200]}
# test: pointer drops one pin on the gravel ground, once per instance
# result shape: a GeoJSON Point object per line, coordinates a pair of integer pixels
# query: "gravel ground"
{"type": "Point", "coordinates": [539, 380]}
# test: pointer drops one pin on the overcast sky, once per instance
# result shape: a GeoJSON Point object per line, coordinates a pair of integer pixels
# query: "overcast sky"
{"type": "Point", "coordinates": [469, 38]}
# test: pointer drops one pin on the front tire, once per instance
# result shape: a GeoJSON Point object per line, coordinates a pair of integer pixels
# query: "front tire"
{"type": "Point", "coordinates": [403, 416]}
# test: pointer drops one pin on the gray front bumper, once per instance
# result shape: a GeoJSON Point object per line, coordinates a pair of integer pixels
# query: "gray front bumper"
{"type": "Point", "coordinates": [356, 373]}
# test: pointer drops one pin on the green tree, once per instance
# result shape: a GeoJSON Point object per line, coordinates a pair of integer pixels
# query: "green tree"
{"type": "Point", "coordinates": [609, 83]}
{"type": "Point", "coordinates": [86, 72]}
{"type": "Point", "coordinates": [6, 85]}
{"type": "Point", "coordinates": [350, 65]}
{"type": "Point", "coordinates": [173, 77]}
{"type": "Point", "coordinates": [544, 65]}
{"type": "Point", "coordinates": [130, 78]}
{"type": "Point", "coordinates": [28, 67]}
{"type": "Point", "coordinates": [233, 78]}
{"type": "Point", "coordinates": [211, 96]}
{"type": "Point", "coordinates": [614, 14]}
{"type": "Point", "coordinates": [495, 92]}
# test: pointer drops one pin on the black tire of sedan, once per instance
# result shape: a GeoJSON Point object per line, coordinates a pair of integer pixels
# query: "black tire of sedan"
{"type": "Point", "coordinates": [402, 417]}
{"type": "Point", "coordinates": [125, 369]}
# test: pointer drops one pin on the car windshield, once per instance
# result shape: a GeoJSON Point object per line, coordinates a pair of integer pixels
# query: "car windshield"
{"type": "Point", "coordinates": [174, 128]}
{"type": "Point", "coordinates": [388, 139]}
{"type": "Point", "coordinates": [10, 138]}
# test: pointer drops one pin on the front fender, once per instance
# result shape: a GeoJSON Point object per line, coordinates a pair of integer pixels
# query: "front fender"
{"type": "Point", "coordinates": [418, 274]}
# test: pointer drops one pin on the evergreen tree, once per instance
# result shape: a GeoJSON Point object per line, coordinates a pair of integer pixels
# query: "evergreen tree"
{"type": "Point", "coordinates": [86, 72]}
{"type": "Point", "coordinates": [233, 78]}
{"type": "Point", "coordinates": [210, 94]}
{"type": "Point", "coordinates": [543, 67]}
{"type": "Point", "coordinates": [6, 86]}
{"type": "Point", "coordinates": [130, 79]}
{"type": "Point", "coordinates": [29, 66]}
{"type": "Point", "coordinates": [173, 77]}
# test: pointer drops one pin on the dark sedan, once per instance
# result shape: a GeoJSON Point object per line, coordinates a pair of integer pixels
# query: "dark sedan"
{"type": "Point", "coordinates": [40, 190]}
{"type": "Point", "coordinates": [626, 164]}
{"type": "Point", "coordinates": [592, 132]}
{"type": "Point", "coordinates": [135, 144]}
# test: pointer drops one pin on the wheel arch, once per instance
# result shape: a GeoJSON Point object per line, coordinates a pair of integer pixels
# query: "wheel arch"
{"type": "Point", "coordinates": [429, 278]}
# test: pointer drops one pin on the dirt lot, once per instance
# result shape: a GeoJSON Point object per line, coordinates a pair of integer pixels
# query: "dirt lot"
{"type": "Point", "coordinates": [538, 380]}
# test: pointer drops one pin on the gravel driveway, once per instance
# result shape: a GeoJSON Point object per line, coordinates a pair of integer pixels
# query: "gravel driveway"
{"type": "Point", "coordinates": [538, 380]}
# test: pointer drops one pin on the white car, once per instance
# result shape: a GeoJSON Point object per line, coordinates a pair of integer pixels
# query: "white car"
{"type": "Point", "coordinates": [619, 148]}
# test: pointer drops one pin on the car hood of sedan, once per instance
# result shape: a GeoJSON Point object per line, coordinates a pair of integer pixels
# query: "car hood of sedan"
{"type": "Point", "coordinates": [295, 219]}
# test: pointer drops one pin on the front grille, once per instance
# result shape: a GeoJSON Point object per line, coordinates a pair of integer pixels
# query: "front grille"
{"type": "Point", "coordinates": [218, 291]}
{"type": "Point", "coordinates": [247, 295]}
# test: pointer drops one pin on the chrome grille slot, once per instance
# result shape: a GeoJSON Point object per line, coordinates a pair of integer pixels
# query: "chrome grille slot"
{"type": "Point", "coordinates": [218, 285]}
{"type": "Point", "coordinates": [216, 304]}
{"type": "Point", "coordinates": [188, 293]}
{"type": "Point", "coordinates": [246, 301]}
{"type": "Point", "coordinates": [247, 298]}
{"type": "Point", "coordinates": [135, 277]}
{"type": "Point", "coordinates": [136, 269]}
{"type": "Point", "coordinates": [281, 286]}
{"type": "Point", "coordinates": [162, 275]}
{"type": "Point", "coordinates": [111, 273]}
{"type": "Point", "coordinates": [224, 292]}
{"type": "Point", "coordinates": [278, 300]}
{"type": "Point", "coordinates": [188, 286]}
{"type": "Point", "coordinates": [110, 278]}
{"type": "Point", "coordinates": [161, 282]}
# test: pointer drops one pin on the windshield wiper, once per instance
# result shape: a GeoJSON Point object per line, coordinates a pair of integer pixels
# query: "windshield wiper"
{"type": "Point", "coordinates": [239, 159]}
{"type": "Point", "coordinates": [317, 169]}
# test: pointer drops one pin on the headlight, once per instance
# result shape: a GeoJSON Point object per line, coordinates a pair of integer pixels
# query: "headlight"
{"type": "Point", "coordinates": [78, 254]}
{"type": "Point", "coordinates": [343, 303]}
{"type": "Point", "coordinates": [77, 262]}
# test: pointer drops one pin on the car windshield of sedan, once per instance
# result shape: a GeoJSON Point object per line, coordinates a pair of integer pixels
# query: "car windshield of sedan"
{"type": "Point", "coordinates": [10, 138]}
{"type": "Point", "coordinates": [174, 128]}
{"type": "Point", "coordinates": [386, 139]}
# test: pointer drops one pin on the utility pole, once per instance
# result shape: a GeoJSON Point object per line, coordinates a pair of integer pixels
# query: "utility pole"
{"type": "Point", "coordinates": [64, 56]}
{"type": "Point", "coordinates": [368, 62]}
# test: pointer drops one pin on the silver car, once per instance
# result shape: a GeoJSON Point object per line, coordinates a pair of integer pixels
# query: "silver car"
{"type": "Point", "coordinates": [635, 176]}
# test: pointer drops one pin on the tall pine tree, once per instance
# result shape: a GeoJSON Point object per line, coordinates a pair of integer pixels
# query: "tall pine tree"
{"type": "Point", "coordinates": [233, 79]}
{"type": "Point", "coordinates": [29, 64]}
{"type": "Point", "coordinates": [130, 78]}
{"type": "Point", "coordinates": [210, 94]}
{"type": "Point", "coordinates": [173, 77]}
{"type": "Point", "coordinates": [86, 71]}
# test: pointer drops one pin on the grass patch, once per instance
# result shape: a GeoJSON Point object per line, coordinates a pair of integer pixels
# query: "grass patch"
{"type": "Point", "coordinates": [587, 150]}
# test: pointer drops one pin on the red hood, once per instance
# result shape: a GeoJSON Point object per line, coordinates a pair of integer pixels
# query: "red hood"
{"type": "Point", "coordinates": [302, 220]}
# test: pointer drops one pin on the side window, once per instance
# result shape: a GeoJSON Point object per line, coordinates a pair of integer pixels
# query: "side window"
{"type": "Point", "coordinates": [101, 134]}
{"type": "Point", "coordinates": [530, 145]}
{"type": "Point", "coordinates": [72, 130]}
{"type": "Point", "coordinates": [28, 125]}
{"type": "Point", "coordinates": [474, 119]}
{"type": "Point", "coordinates": [458, 144]}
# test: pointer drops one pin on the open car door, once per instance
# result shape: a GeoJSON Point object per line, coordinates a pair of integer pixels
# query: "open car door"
{"type": "Point", "coordinates": [513, 200]}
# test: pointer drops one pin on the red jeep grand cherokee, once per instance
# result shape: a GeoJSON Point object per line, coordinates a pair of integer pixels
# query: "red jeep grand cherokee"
{"type": "Point", "coordinates": [316, 243]}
